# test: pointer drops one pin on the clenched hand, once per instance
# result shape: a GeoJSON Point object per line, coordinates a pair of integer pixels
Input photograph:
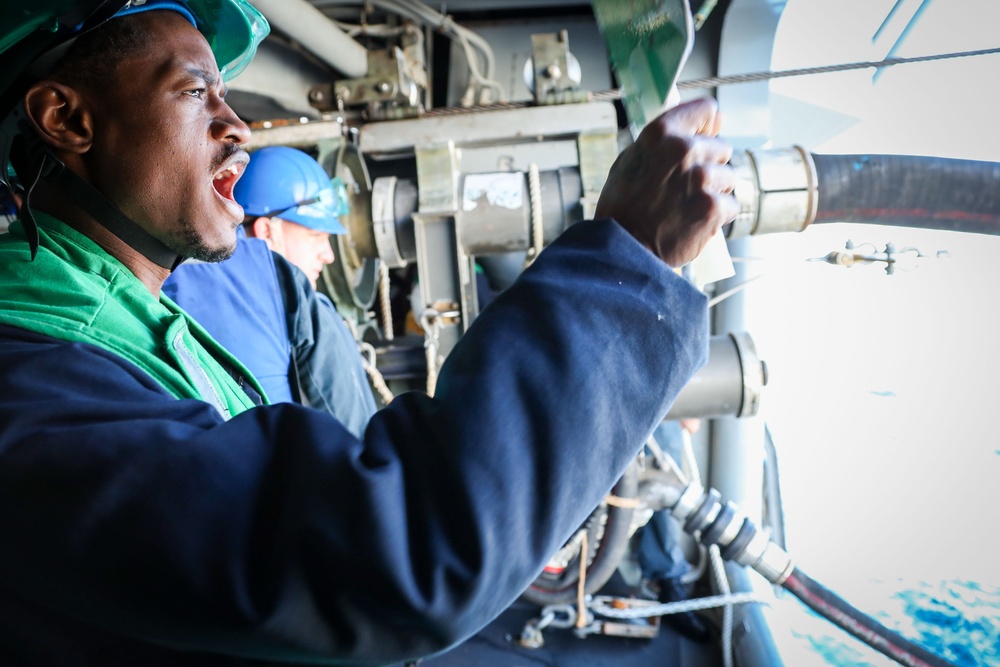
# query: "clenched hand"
{"type": "Point", "coordinates": [673, 189]}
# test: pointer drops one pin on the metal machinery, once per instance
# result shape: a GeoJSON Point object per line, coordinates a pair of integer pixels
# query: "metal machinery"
{"type": "Point", "coordinates": [439, 194]}
{"type": "Point", "coordinates": [437, 189]}
{"type": "Point", "coordinates": [449, 179]}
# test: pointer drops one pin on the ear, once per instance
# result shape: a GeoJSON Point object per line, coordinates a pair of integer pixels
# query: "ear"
{"type": "Point", "coordinates": [260, 228]}
{"type": "Point", "coordinates": [60, 116]}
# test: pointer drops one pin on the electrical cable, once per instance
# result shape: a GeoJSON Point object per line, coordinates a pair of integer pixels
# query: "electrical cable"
{"type": "Point", "coordinates": [474, 46]}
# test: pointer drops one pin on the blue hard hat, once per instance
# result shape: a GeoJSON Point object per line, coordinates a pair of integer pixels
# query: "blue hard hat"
{"type": "Point", "coordinates": [286, 183]}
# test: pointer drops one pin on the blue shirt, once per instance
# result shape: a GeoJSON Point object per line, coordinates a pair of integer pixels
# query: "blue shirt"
{"type": "Point", "coordinates": [266, 313]}
{"type": "Point", "coordinates": [237, 301]}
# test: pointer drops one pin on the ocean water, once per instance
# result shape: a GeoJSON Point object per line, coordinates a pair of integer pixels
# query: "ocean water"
{"type": "Point", "coordinates": [956, 620]}
{"type": "Point", "coordinates": [882, 402]}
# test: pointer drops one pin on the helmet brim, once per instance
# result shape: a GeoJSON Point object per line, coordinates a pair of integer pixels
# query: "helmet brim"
{"type": "Point", "coordinates": [233, 28]}
{"type": "Point", "coordinates": [322, 215]}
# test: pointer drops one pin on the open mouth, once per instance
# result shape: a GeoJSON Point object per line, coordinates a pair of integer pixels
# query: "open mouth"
{"type": "Point", "coordinates": [225, 179]}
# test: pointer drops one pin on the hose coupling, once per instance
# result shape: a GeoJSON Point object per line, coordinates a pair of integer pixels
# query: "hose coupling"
{"type": "Point", "coordinates": [777, 191]}
{"type": "Point", "coordinates": [712, 521]}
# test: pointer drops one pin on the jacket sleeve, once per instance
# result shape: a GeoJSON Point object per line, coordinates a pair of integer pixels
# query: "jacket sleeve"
{"type": "Point", "coordinates": [280, 535]}
{"type": "Point", "coordinates": [325, 355]}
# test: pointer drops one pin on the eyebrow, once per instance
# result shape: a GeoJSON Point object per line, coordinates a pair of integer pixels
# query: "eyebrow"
{"type": "Point", "coordinates": [206, 76]}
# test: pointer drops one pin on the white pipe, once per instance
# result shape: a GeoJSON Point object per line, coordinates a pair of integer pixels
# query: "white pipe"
{"type": "Point", "coordinates": [318, 34]}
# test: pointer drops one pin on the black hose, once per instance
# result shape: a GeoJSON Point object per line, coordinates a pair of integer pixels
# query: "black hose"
{"type": "Point", "coordinates": [862, 626]}
{"type": "Point", "coordinates": [607, 552]}
{"type": "Point", "coordinates": [772, 561]}
{"type": "Point", "coordinates": [909, 191]}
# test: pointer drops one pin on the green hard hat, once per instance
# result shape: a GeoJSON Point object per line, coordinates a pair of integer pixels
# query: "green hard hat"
{"type": "Point", "coordinates": [233, 28]}
{"type": "Point", "coordinates": [30, 29]}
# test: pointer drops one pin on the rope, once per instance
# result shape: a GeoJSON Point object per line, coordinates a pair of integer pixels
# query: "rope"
{"type": "Point", "coordinates": [668, 608]}
{"type": "Point", "coordinates": [702, 14]}
{"type": "Point", "coordinates": [581, 604]}
{"type": "Point", "coordinates": [384, 302]}
{"type": "Point", "coordinates": [537, 230]}
{"type": "Point", "coordinates": [696, 573]}
{"type": "Point", "coordinates": [624, 503]}
{"type": "Point", "coordinates": [719, 298]}
{"type": "Point", "coordinates": [715, 81]}
{"type": "Point", "coordinates": [719, 570]}
{"type": "Point", "coordinates": [429, 323]}
{"type": "Point", "coordinates": [690, 466]}
{"type": "Point", "coordinates": [367, 351]}
{"type": "Point", "coordinates": [378, 382]}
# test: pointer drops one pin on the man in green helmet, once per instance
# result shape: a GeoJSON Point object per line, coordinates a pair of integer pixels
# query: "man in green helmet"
{"type": "Point", "coordinates": [152, 513]}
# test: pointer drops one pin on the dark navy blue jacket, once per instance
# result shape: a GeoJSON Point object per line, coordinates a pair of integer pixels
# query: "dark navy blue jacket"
{"type": "Point", "coordinates": [328, 371]}
{"type": "Point", "coordinates": [138, 529]}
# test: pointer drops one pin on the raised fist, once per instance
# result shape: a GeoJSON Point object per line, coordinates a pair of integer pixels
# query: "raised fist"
{"type": "Point", "coordinates": [673, 189]}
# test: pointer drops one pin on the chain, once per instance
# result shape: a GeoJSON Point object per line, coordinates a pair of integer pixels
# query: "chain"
{"type": "Point", "coordinates": [553, 616]}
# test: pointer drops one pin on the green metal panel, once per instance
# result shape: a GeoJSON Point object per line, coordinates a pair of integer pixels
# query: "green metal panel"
{"type": "Point", "coordinates": [648, 41]}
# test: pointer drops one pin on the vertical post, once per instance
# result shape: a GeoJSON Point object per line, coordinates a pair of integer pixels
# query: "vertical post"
{"type": "Point", "coordinates": [446, 274]}
{"type": "Point", "coordinates": [597, 150]}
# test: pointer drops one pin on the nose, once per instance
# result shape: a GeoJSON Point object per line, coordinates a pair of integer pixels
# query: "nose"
{"type": "Point", "coordinates": [227, 126]}
{"type": "Point", "coordinates": [326, 252]}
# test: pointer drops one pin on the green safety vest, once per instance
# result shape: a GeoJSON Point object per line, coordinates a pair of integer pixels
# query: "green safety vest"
{"type": "Point", "coordinates": [75, 291]}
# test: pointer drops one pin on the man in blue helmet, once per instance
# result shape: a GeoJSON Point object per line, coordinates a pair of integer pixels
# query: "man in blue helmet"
{"type": "Point", "coordinates": [291, 203]}
{"type": "Point", "coordinates": [262, 307]}
{"type": "Point", "coordinates": [153, 513]}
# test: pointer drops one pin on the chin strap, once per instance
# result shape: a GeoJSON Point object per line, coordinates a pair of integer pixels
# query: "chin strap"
{"type": "Point", "coordinates": [98, 206]}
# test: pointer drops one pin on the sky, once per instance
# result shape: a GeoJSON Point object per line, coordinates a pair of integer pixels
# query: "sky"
{"type": "Point", "coordinates": [899, 370]}
{"type": "Point", "coordinates": [883, 389]}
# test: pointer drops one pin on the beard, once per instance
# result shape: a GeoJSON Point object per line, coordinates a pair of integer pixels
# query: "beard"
{"type": "Point", "coordinates": [191, 244]}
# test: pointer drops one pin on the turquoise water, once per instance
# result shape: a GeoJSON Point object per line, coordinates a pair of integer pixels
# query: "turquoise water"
{"type": "Point", "coordinates": [959, 620]}
{"type": "Point", "coordinates": [956, 620]}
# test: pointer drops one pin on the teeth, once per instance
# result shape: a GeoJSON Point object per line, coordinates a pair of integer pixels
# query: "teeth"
{"type": "Point", "coordinates": [234, 170]}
